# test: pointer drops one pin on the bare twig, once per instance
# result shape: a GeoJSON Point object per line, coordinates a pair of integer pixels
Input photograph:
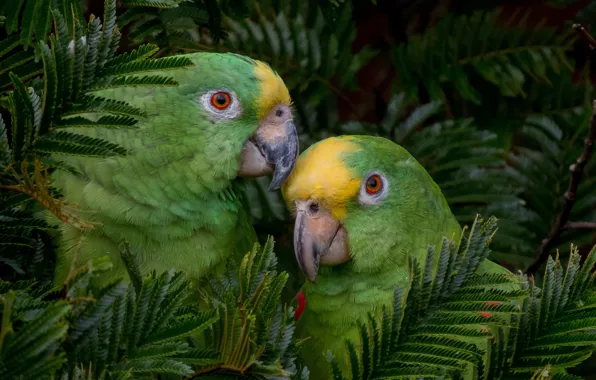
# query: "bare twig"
{"type": "Point", "coordinates": [580, 29]}
{"type": "Point", "coordinates": [577, 172]}
{"type": "Point", "coordinates": [580, 226]}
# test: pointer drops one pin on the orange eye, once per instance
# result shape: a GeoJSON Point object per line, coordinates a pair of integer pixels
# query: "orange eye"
{"type": "Point", "coordinates": [374, 184]}
{"type": "Point", "coordinates": [221, 100]}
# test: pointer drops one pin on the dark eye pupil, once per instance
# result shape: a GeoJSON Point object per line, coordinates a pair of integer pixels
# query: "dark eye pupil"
{"type": "Point", "coordinates": [278, 113]}
{"type": "Point", "coordinates": [372, 182]}
{"type": "Point", "coordinates": [220, 99]}
{"type": "Point", "coordinates": [314, 207]}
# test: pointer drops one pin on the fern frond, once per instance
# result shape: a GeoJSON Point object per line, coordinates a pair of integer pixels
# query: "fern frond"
{"type": "Point", "coordinates": [556, 332]}
{"type": "Point", "coordinates": [139, 66]}
{"type": "Point", "coordinates": [5, 151]}
{"type": "Point", "coordinates": [140, 53]}
{"type": "Point", "coordinates": [31, 348]}
{"type": "Point", "coordinates": [29, 22]}
{"type": "Point", "coordinates": [15, 60]}
{"type": "Point", "coordinates": [149, 80]}
{"type": "Point", "coordinates": [114, 122]}
{"type": "Point", "coordinates": [502, 57]}
{"type": "Point", "coordinates": [73, 144]}
{"type": "Point", "coordinates": [152, 3]}
{"type": "Point", "coordinates": [439, 336]}
{"type": "Point", "coordinates": [94, 104]}
{"type": "Point", "coordinates": [92, 43]}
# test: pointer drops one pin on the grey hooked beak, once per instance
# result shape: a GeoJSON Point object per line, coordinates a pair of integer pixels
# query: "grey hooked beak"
{"type": "Point", "coordinates": [279, 145]}
{"type": "Point", "coordinates": [318, 239]}
{"type": "Point", "coordinates": [272, 148]}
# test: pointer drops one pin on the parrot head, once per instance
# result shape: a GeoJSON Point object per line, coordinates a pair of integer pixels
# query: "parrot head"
{"type": "Point", "coordinates": [237, 111]}
{"type": "Point", "coordinates": [356, 199]}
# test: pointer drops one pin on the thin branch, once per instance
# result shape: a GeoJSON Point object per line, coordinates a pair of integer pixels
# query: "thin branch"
{"type": "Point", "coordinates": [580, 226]}
{"type": "Point", "coordinates": [584, 33]}
{"type": "Point", "coordinates": [577, 172]}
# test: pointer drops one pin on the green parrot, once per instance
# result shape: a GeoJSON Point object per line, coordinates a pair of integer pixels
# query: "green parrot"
{"type": "Point", "coordinates": [363, 204]}
{"type": "Point", "coordinates": [174, 197]}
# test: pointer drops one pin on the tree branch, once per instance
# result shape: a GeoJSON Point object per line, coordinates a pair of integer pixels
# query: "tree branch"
{"type": "Point", "coordinates": [580, 226]}
{"type": "Point", "coordinates": [579, 28]}
{"type": "Point", "coordinates": [577, 172]}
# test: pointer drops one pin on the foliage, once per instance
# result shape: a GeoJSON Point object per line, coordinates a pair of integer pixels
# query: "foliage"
{"type": "Point", "coordinates": [557, 330]}
{"type": "Point", "coordinates": [503, 55]}
{"type": "Point", "coordinates": [115, 331]}
{"type": "Point", "coordinates": [254, 332]}
{"type": "Point", "coordinates": [40, 113]}
{"type": "Point", "coordinates": [487, 100]}
{"type": "Point", "coordinates": [423, 335]}
{"type": "Point", "coordinates": [489, 107]}
{"type": "Point", "coordinates": [147, 327]}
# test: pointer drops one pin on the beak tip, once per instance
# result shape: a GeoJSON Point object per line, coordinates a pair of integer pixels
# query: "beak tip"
{"type": "Point", "coordinates": [274, 185]}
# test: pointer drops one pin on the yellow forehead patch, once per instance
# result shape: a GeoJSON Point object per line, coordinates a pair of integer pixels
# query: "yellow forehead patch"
{"type": "Point", "coordinates": [321, 174]}
{"type": "Point", "coordinates": [273, 89]}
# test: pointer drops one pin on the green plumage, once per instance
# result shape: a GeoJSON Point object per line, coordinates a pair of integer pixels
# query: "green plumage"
{"type": "Point", "coordinates": [381, 237]}
{"type": "Point", "coordinates": [172, 197]}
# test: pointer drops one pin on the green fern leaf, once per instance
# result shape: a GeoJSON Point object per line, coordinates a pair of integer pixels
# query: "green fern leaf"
{"type": "Point", "coordinates": [164, 366]}
{"type": "Point", "coordinates": [73, 144]}
{"type": "Point", "coordinates": [29, 22]}
{"type": "Point", "coordinates": [149, 80]}
{"type": "Point", "coordinates": [23, 111]}
{"type": "Point", "coordinates": [5, 151]}
{"type": "Point", "coordinates": [139, 66]}
{"type": "Point", "coordinates": [438, 360]}
{"type": "Point", "coordinates": [501, 55]}
{"type": "Point", "coordinates": [132, 266]}
{"type": "Point", "coordinates": [15, 60]}
{"type": "Point", "coordinates": [489, 280]}
{"type": "Point", "coordinates": [563, 360]}
{"type": "Point", "coordinates": [335, 370]}
{"type": "Point", "coordinates": [140, 53]}
{"type": "Point", "coordinates": [199, 357]}
{"type": "Point", "coordinates": [50, 87]}
{"type": "Point", "coordinates": [44, 20]}
{"type": "Point", "coordinates": [7, 44]}
{"type": "Point", "coordinates": [153, 351]}
{"type": "Point", "coordinates": [448, 331]}
{"type": "Point", "coordinates": [117, 325]}
{"type": "Point", "coordinates": [78, 63]}
{"type": "Point", "coordinates": [13, 10]}
{"type": "Point", "coordinates": [152, 3]}
{"type": "Point", "coordinates": [92, 104]}
{"type": "Point", "coordinates": [109, 23]}
{"type": "Point", "coordinates": [201, 322]}
{"type": "Point", "coordinates": [41, 327]}
{"type": "Point", "coordinates": [94, 314]}
{"type": "Point", "coordinates": [439, 337]}
{"type": "Point", "coordinates": [92, 42]}
{"type": "Point", "coordinates": [37, 110]}
{"type": "Point", "coordinates": [114, 122]}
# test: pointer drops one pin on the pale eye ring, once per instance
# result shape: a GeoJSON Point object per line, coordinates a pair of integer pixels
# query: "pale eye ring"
{"type": "Point", "coordinates": [221, 104]}
{"type": "Point", "coordinates": [374, 189]}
